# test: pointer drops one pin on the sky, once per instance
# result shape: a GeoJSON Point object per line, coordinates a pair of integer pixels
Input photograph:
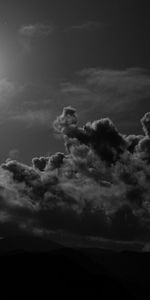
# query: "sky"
{"type": "Point", "coordinates": [74, 118]}
{"type": "Point", "coordinates": [92, 55]}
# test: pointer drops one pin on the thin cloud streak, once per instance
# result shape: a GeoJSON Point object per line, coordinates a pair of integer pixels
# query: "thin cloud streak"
{"type": "Point", "coordinates": [121, 94]}
{"type": "Point", "coordinates": [33, 118]}
{"type": "Point", "coordinates": [89, 26]}
{"type": "Point", "coordinates": [36, 30]}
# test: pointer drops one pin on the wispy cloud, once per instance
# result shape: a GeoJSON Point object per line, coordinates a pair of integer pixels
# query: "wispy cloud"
{"type": "Point", "coordinates": [122, 94]}
{"type": "Point", "coordinates": [14, 154]}
{"type": "Point", "coordinates": [36, 30]}
{"type": "Point", "coordinates": [32, 32]}
{"type": "Point", "coordinates": [89, 26]}
{"type": "Point", "coordinates": [69, 87]}
{"type": "Point", "coordinates": [131, 78]}
{"type": "Point", "coordinates": [33, 117]}
{"type": "Point", "coordinates": [7, 89]}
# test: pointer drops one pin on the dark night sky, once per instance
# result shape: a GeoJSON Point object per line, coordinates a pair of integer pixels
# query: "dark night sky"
{"type": "Point", "coordinates": [93, 55]}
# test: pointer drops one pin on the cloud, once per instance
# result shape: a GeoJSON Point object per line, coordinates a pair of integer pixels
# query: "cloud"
{"type": "Point", "coordinates": [7, 90]}
{"type": "Point", "coordinates": [89, 26]}
{"type": "Point", "coordinates": [14, 154]}
{"type": "Point", "coordinates": [69, 87]}
{"type": "Point", "coordinates": [83, 191]}
{"type": "Point", "coordinates": [32, 117]}
{"type": "Point", "coordinates": [121, 94]}
{"type": "Point", "coordinates": [132, 79]}
{"type": "Point", "coordinates": [36, 30]}
{"type": "Point", "coordinates": [40, 163]}
{"type": "Point", "coordinates": [146, 124]}
{"type": "Point", "coordinates": [100, 185]}
{"type": "Point", "coordinates": [101, 135]}
{"type": "Point", "coordinates": [30, 33]}
{"type": "Point", "coordinates": [26, 104]}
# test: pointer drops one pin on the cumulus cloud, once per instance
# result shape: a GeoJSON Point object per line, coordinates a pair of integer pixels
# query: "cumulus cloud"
{"type": "Point", "coordinates": [146, 123]}
{"type": "Point", "coordinates": [40, 163]}
{"type": "Point", "coordinates": [101, 135]}
{"type": "Point", "coordinates": [99, 187]}
{"type": "Point", "coordinates": [132, 141]}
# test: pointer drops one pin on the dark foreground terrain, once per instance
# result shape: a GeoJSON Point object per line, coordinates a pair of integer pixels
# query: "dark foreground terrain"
{"type": "Point", "coordinates": [40, 263]}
